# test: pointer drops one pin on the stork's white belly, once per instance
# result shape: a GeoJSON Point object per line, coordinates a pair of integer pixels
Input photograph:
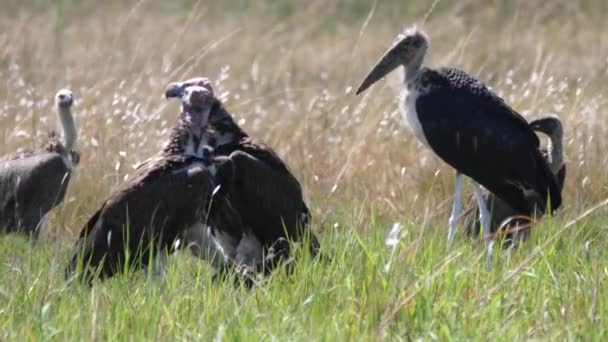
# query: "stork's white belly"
{"type": "Point", "coordinates": [407, 106]}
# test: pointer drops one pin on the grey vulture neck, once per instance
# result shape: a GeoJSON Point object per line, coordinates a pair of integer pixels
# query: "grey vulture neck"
{"type": "Point", "coordinates": [66, 120]}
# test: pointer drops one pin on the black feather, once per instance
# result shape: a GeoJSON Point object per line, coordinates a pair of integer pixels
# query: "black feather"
{"type": "Point", "coordinates": [477, 133]}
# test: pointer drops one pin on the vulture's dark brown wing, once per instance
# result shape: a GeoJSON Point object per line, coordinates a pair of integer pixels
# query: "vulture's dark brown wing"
{"type": "Point", "coordinates": [268, 197]}
{"type": "Point", "coordinates": [266, 155]}
{"type": "Point", "coordinates": [162, 198]}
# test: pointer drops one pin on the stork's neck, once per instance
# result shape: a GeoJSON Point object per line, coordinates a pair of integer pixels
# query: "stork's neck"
{"type": "Point", "coordinates": [68, 127]}
{"type": "Point", "coordinates": [556, 150]}
{"type": "Point", "coordinates": [412, 70]}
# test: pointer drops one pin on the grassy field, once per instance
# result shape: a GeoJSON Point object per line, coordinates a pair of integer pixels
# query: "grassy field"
{"type": "Point", "coordinates": [287, 70]}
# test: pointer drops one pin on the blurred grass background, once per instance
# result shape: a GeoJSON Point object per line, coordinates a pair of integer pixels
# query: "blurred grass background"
{"type": "Point", "coordinates": [287, 70]}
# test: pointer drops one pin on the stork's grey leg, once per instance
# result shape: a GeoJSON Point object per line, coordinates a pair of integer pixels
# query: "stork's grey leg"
{"type": "Point", "coordinates": [159, 269]}
{"type": "Point", "coordinates": [453, 222]}
{"type": "Point", "coordinates": [39, 225]}
{"type": "Point", "coordinates": [484, 219]}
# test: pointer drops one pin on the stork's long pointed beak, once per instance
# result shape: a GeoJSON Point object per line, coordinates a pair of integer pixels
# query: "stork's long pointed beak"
{"type": "Point", "coordinates": [389, 62]}
{"type": "Point", "coordinates": [174, 89]}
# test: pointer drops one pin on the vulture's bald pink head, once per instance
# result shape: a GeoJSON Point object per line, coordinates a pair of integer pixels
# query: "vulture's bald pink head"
{"type": "Point", "coordinates": [177, 89]}
{"type": "Point", "coordinates": [196, 105]}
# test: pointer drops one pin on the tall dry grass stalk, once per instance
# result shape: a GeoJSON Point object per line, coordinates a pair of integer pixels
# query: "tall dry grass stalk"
{"type": "Point", "coordinates": [287, 72]}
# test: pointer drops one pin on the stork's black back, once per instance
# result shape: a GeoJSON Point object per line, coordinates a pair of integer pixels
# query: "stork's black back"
{"type": "Point", "coordinates": [477, 133]}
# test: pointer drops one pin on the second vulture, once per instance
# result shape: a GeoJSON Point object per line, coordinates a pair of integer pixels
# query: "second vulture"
{"type": "Point", "coordinates": [34, 182]}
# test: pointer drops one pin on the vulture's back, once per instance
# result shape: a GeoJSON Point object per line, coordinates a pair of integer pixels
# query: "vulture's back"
{"type": "Point", "coordinates": [30, 185]}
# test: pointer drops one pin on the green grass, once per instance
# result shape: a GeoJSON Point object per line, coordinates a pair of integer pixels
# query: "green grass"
{"type": "Point", "coordinates": [287, 69]}
{"type": "Point", "coordinates": [551, 288]}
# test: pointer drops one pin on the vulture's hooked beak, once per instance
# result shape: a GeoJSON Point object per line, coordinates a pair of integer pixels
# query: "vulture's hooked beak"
{"type": "Point", "coordinates": [177, 89]}
{"type": "Point", "coordinates": [174, 89]}
{"type": "Point", "coordinates": [389, 62]}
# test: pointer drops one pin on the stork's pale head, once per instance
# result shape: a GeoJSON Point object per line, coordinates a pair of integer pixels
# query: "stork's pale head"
{"type": "Point", "coordinates": [64, 98]}
{"type": "Point", "coordinates": [551, 125]}
{"type": "Point", "coordinates": [196, 105]}
{"type": "Point", "coordinates": [408, 50]}
{"type": "Point", "coordinates": [176, 89]}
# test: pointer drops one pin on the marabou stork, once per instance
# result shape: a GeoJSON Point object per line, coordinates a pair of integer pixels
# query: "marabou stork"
{"type": "Point", "coordinates": [471, 129]}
